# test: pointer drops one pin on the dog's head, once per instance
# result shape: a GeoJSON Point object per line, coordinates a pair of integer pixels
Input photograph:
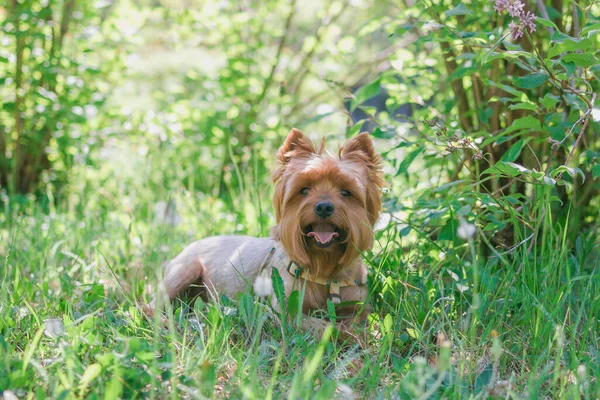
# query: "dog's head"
{"type": "Point", "coordinates": [326, 205]}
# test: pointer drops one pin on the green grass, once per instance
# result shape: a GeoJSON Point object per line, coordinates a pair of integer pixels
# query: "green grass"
{"type": "Point", "coordinates": [450, 321]}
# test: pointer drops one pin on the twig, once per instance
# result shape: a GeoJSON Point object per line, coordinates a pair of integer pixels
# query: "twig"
{"type": "Point", "coordinates": [464, 110]}
{"type": "Point", "coordinates": [544, 12]}
{"type": "Point", "coordinates": [575, 20]}
{"type": "Point", "coordinates": [269, 80]}
{"type": "Point", "coordinates": [20, 155]}
{"type": "Point", "coordinates": [513, 248]}
{"type": "Point", "coordinates": [587, 116]}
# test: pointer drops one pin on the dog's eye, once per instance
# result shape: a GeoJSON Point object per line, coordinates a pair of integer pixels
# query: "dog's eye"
{"type": "Point", "coordinates": [304, 191]}
{"type": "Point", "coordinates": [346, 193]}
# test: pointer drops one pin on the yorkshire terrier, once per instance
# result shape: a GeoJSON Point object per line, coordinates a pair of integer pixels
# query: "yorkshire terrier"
{"type": "Point", "coordinates": [326, 206]}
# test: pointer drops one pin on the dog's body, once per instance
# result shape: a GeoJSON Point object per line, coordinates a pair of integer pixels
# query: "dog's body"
{"type": "Point", "coordinates": [326, 207]}
{"type": "Point", "coordinates": [231, 265]}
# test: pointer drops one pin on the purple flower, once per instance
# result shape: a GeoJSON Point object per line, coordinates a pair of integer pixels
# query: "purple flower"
{"type": "Point", "coordinates": [501, 5]}
{"type": "Point", "coordinates": [516, 29]}
{"type": "Point", "coordinates": [515, 8]}
{"type": "Point", "coordinates": [524, 20]}
{"type": "Point", "coordinates": [528, 20]}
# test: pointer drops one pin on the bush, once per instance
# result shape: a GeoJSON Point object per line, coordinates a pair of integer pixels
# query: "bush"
{"type": "Point", "coordinates": [503, 120]}
{"type": "Point", "coordinates": [57, 63]}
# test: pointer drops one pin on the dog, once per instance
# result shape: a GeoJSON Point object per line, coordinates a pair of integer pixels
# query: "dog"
{"type": "Point", "coordinates": [326, 206]}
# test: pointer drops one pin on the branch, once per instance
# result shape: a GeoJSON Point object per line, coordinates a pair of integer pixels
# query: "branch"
{"type": "Point", "coordinates": [20, 47]}
{"type": "Point", "coordinates": [542, 7]}
{"type": "Point", "coordinates": [587, 116]}
{"type": "Point", "coordinates": [269, 80]}
{"type": "Point", "coordinates": [575, 20]}
{"type": "Point", "coordinates": [458, 89]}
{"type": "Point", "coordinates": [65, 21]}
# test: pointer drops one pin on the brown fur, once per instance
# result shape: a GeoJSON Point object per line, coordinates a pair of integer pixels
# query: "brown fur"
{"type": "Point", "coordinates": [357, 169]}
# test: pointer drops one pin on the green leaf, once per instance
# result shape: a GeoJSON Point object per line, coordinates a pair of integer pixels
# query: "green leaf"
{"type": "Point", "coordinates": [570, 45]}
{"type": "Point", "coordinates": [531, 81]}
{"type": "Point", "coordinates": [515, 150]}
{"type": "Point", "coordinates": [590, 29]}
{"type": "Point", "coordinates": [113, 389]}
{"type": "Point", "coordinates": [596, 171]}
{"type": "Point", "coordinates": [331, 311]}
{"type": "Point", "coordinates": [327, 390]}
{"type": "Point", "coordinates": [356, 128]}
{"type": "Point", "coordinates": [560, 37]}
{"type": "Point", "coordinates": [506, 88]}
{"type": "Point", "coordinates": [546, 22]}
{"type": "Point", "coordinates": [388, 324]}
{"type": "Point", "coordinates": [526, 123]}
{"type": "Point", "coordinates": [507, 168]}
{"type": "Point", "coordinates": [448, 232]}
{"type": "Point", "coordinates": [246, 307]}
{"type": "Point", "coordinates": [463, 211]}
{"type": "Point", "coordinates": [316, 118]}
{"type": "Point", "coordinates": [461, 9]}
{"type": "Point", "coordinates": [366, 92]}
{"type": "Point", "coordinates": [447, 186]}
{"type": "Point", "coordinates": [293, 303]}
{"type": "Point", "coordinates": [508, 55]}
{"type": "Point", "coordinates": [549, 101]}
{"type": "Point", "coordinates": [546, 180]}
{"type": "Point", "coordinates": [569, 67]}
{"type": "Point", "coordinates": [583, 60]}
{"type": "Point", "coordinates": [408, 160]}
{"type": "Point", "coordinates": [571, 171]}
{"type": "Point", "coordinates": [278, 289]}
{"type": "Point", "coordinates": [523, 106]}
{"type": "Point", "coordinates": [384, 133]}
{"type": "Point", "coordinates": [413, 333]}
{"type": "Point", "coordinates": [90, 373]}
{"type": "Point", "coordinates": [484, 378]}
{"type": "Point", "coordinates": [461, 72]}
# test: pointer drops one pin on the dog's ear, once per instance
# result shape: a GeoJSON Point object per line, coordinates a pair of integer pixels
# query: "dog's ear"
{"type": "Point", "coordinates": [360, 149]}
{"type": "Point", "coordinates": [296, 145]}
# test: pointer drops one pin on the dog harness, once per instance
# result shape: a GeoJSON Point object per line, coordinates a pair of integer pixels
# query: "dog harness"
{"type": "Point", "coordinates": [297, 271]}
{"type": "Point", "coordinates": [333, 284]}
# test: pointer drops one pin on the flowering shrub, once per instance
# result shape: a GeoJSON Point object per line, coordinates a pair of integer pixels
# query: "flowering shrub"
{"type": "Point", "coordinates": [502, 122]}
{"type": "Point", "coordinates": [515, 8]}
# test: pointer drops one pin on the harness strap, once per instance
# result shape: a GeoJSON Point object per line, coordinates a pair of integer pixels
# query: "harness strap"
{"type": "Point", "coordinates": [334, 285]}
{"type": "Point", "coordinates": [267, 261]}
{"type": "Point", "coordinates": [297, 271]}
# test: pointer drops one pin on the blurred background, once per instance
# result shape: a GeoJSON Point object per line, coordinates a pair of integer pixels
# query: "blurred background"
{"type": "Point", "coordinates": [137, 107]}
{"type": "Point", "coordinates": [160, 97]}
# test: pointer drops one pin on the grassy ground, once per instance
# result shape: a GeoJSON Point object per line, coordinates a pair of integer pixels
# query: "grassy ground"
{"type": "Point", "coordinates": [448, 322]}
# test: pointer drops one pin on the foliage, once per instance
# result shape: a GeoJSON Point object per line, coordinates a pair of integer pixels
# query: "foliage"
{"type": "Point", "coordinates": [56, 62]}
{"type": "Point", "coordinates": [511, 120]}
{"type": "Point", "coordinates": [484, 278]}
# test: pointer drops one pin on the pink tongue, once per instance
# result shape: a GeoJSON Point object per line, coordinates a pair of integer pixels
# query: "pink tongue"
{"type": "Point", "coordinates": [324, 233]}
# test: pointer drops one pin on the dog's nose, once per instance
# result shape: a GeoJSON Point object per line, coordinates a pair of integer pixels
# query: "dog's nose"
{"type": "Point", "coordinates": [324, 209]}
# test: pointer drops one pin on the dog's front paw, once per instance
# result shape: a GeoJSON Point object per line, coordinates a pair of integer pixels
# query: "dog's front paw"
{"type": "Point", "coordinates": [353, 331]}
{"type": "Point", "coordinates": [263, 286]}
{"type": "Point", "coordinates": [315, 325]}
{"type": "Point", "coordinates": [149, 309]}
